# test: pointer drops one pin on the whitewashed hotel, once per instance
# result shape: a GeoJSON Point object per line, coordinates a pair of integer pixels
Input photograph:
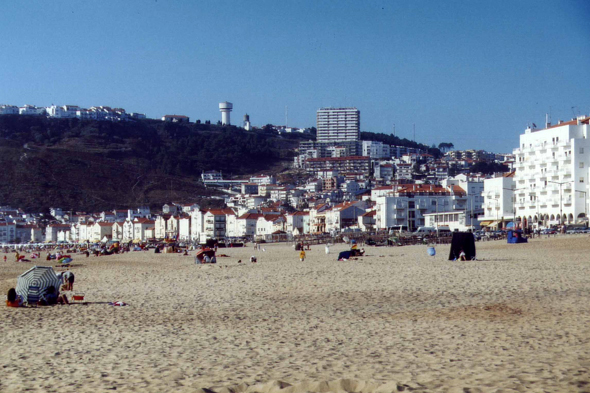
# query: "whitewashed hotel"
{"type": "Point", "coordinates": [551, 180]}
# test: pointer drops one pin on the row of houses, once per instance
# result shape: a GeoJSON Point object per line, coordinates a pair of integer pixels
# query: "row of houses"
{"type": "Point", "coordinates": [72, 112]}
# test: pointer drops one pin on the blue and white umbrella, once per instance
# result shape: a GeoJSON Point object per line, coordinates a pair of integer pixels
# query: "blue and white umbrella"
{"type": "Point", "coordinates": [33, 283]}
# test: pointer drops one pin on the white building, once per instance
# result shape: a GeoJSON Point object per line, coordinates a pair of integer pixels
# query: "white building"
{"type": "Point", "coordinates": [8, 110]}
{"type": "Point", "coordinates": [338, 124]}
{"type": "Point", "coordinates": [406, 205]}
{"type": "Point", "coordinates": [472, 200]}
{"type": "Point", "coordinates": [31, 110]}
{"type": "Point", "coordinates": [184, 228]}
{"type": "Point", "coordinates": [376, 150]}
{"type": "Point", "coordinates": [551, 178]}
{"type": "Point", "coordinates": [498, 207]}
{"type": "Point", "coordinates": [297, 223]}
{"type": "Point", "coordinates": [52, 230]}
{"type": "Point", "coordinates": [7, 232]}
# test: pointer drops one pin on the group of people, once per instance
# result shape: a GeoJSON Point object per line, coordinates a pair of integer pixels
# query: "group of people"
{"type": "Point", "coordinates": [50, 296]}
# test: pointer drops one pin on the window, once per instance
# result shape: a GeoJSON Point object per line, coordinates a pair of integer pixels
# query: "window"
{"type": "Point", "coordinates": [581, 150]}
{"type": "Point", "coordinates": [581, 180]}
{"type": "Point", "coordinates": [581, 165]}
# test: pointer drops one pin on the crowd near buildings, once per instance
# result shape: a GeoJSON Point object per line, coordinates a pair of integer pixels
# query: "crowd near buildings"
{"type": "Point", "coordinates": [354, 185]}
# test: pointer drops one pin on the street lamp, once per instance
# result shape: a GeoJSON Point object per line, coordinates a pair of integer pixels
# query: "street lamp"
{"type": "Point", "coordinates": [513, 204]}
{"type": "Point", "coordinates": [585, 204]}
{"type": "Point", "coordinates": [561, 183]}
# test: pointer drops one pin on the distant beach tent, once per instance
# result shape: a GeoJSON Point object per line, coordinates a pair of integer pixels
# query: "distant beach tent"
{"type": "Point", "coordinates": [34, 282]}
{"type": "Point", "coordinates": [515, 237]}
{"type": "Point", "coordinates": [462, 241]}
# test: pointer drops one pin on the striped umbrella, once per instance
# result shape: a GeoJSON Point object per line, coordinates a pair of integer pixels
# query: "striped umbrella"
{"type": "Point", "coordinates": [34, 282]}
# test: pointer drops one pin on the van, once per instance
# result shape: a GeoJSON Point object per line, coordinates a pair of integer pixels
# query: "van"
{"type": "Point", "coordinates": [398, 229]}
{"type": "Point", "coordinates": [425, 231]}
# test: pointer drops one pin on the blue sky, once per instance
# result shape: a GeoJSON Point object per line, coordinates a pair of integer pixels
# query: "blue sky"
{"type": "Point", "coordinates": [473, 73]}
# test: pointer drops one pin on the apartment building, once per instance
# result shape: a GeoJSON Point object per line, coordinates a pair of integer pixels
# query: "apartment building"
{"type": "Point", "coordinates": [551, 180]}
{"type": "Point", "coordinates": [338, 124]}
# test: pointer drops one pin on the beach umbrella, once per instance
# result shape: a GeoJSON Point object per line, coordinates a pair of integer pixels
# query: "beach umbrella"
{"type": "Point", "coordinates": [205, 251]}
{"type": "Point", "coordinates": [34, 282]}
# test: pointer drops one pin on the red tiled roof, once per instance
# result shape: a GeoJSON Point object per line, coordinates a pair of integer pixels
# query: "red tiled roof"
{"type": "Point", "coordinates": [250, 216]}
{"type": "Point", "coordinates": [144, 221]}
{"type": "Point", "coordinates": [222, 212]}
{"type": "Point", "coordinates": [458, 189]}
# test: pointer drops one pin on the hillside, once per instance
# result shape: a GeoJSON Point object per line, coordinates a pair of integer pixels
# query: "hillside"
{"type": "Point", "coordinates": [92, 165]}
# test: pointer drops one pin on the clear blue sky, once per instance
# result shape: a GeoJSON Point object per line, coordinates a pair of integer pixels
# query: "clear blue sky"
{"type": "Point", "coordinates": [473, 73]}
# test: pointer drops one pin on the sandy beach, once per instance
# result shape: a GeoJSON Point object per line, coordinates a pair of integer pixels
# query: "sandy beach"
{"type": "Point", "coordinates": [518, 319]}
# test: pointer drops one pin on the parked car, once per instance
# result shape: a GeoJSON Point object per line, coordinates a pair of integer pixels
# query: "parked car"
{"type": "Point", "coordinates": [548, 231]}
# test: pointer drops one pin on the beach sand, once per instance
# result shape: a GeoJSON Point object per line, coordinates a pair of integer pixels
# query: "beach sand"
{"type": "Point", "coordinates": [518, 319]}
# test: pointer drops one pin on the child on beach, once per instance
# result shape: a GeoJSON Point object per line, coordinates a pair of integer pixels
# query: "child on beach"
{"type": "Point", "coordinates": [302, 255]}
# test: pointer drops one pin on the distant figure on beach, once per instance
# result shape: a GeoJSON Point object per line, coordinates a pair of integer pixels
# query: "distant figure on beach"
{"type": "Point", "coordinates": [253, 259]}
{"type": "Point", "coordinates": [302, 255]}
{"type": "Point", "coordinates": [462, 256]}
{"type": "Point", "coordinates": [69, 280]}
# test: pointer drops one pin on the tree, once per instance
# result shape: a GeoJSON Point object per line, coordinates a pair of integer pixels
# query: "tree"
{"type": "Point", "coordinates": [487, 167]}
{"type": "Point", "coordinates": [445, 146]}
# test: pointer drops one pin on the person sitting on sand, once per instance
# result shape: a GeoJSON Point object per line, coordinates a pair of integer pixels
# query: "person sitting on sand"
{"type": "Point", "coordinates": [52, 296]}
{"type": "Point", "coordinates": [253, 259]}
{"type": "Point", "coordinates": [12, 299]}
{"type": "Point", "coordinates": [462, 256]}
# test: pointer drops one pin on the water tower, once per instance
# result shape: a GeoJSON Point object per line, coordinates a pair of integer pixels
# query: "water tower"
{"type": "Point", "coordinates": [225, 108]}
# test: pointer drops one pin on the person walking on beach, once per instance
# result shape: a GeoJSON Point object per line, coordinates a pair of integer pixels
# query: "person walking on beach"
{"type": "Point", "coordinates": [302, 255]}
